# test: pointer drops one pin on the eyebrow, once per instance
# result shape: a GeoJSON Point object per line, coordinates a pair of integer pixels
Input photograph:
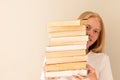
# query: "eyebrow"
{"type": "Point", "coordinates": [99, 29]}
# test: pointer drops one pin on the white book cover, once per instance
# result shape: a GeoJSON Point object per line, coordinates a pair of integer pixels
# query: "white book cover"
{"type": "Point", "coordinates": [82, 72]}
{"type": "Point", "coordinates": [66, 47]}
{"type": "Point", "coordinates": [69, 39]}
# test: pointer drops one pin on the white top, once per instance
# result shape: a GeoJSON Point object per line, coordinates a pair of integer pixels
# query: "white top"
{"type": "Point", "coordinates": [100, 62]}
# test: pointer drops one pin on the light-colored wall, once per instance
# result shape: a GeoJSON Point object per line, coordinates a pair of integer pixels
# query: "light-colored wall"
{"type": "Point", "coordinates": [21, 39]}
{"type": "Point", "coordinates": [23, 34]}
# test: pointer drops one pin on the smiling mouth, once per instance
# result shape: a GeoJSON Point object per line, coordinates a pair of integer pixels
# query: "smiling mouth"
{"type": "Point", "coordinates": [90, 39]}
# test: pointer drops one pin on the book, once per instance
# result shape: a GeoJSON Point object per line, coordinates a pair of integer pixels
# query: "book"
{"type": "Point", "coordinates": [66, 59]}
{"type": "Point", "coordinates": [65, 53]}
{"type": "Point", "coordinates": [67, 33]}
{"type": "Point", "coordinates": [68, 23]}
{"type": "Point", "coordinates": [65, 47]}
{"type": "Point", "coordinates": [68, 40]}
{"type": "Point", "coordinates": [65, 66]}
{"type": "Point", "coordinates": [65, 28]}
{"type": "Point", "coordinates": [66, 73]}
{"type": "Point", "coordinates": [67, 43]}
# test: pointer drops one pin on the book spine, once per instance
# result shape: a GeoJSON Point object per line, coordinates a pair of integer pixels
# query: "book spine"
{"type": "Point", "coordinates": [67, 33]}
{"type": "Point", "coordinates": [66, 59]}
{"type": "Point", "coordinates": [65, 53]}
{"type": "Point", "coordinates": [63, 48]}
{"type": "Point", "coordinates": [82, 72]}
{"type": "Point", "coordinates": [68, 23]}
{"type": "Point", "coordinates": [67, 43]}
{"type": "Point", "coordinates": [64, 23]}
{"type": "Point", "coordinates": [65, 28]}
{"type": "Point", "coordinates": [68, 40]}
{"type": "Point", "coordinates": [65, 66]}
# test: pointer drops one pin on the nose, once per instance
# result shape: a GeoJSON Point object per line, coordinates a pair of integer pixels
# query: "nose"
{"type": "Point", "coordinates": [89, 32]}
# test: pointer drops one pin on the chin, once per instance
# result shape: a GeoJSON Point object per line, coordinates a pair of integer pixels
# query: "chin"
{"type": "Point", "coordinates": [88, 45]}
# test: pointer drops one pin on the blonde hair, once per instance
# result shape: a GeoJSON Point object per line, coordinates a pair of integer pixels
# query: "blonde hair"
{"type": "Point", "coordinates": [98, 46]}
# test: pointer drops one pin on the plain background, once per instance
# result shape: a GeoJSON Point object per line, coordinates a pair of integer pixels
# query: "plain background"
{"type": "Point", "coordinates": [23, 34]}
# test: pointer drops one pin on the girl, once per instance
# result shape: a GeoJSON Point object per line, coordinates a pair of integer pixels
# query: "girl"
{"type": "Point", "coordinates": [98, 62]}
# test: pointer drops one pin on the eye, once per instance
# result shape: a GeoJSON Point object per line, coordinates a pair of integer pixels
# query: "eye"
{"type": "Point", "coordinates": [96, 31]}
{"type": "Point", "coordinates": [88, 27]}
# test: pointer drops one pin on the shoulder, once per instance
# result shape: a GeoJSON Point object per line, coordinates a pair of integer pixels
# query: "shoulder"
{"type": "Point", "coordinates": [97, 58]}
{"type": "Point", "coordinates": [100, 62]}
{"type": "Point", "coordinates": [97, 55]}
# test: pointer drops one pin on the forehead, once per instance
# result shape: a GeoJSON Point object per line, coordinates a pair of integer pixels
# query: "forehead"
{"type": "Point", "coordinates": [94, 22]}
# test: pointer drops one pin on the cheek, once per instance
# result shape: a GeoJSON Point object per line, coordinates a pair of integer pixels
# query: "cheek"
{"type": "Point", "coordinates": [95, 39]}
{"type": "Point", "coordinates": [89, 43]}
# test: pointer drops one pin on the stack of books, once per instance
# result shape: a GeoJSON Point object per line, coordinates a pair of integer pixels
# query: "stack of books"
{"type": "Point", "coordinates": [66, 51]}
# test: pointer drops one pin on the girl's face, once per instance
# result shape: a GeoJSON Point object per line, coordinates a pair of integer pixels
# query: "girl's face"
{"type": "Point", "coordinates": [93, 31]}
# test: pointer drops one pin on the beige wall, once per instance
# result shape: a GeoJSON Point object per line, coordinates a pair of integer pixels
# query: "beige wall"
{"type": "Point", "coordinates": [23, 34]}
{"type": "Point", "coordinates": [21, 39]}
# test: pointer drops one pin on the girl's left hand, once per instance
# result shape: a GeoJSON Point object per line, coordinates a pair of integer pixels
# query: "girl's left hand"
{"type": "Point", "coordinates": [91, 74]}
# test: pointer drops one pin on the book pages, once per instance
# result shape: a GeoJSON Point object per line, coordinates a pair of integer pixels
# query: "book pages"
{"type": "Point", "coordinates": [66, 51]}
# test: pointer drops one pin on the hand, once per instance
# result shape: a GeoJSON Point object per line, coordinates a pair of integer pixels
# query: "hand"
{"type": "Point", "coordinates": [91, 74]}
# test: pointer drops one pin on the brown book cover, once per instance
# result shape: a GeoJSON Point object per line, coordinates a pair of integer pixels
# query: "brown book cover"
{"type": "Point", "coordinates": [65, 66]}
{"type": "Point", "coordinates": [68, 23]}
{"type": "Point", "coordinates": [68, 40]}
{"type": "Point", "coordinates": [65, 28]}
{"type": "Point", "coordinates": [65, 53]}
{"type": "Point", "coordinates": [66, 59]}
{"type": "Point", "coordinates": [62, 43]}
{"type": "Point", "coordinates": [67, 33]}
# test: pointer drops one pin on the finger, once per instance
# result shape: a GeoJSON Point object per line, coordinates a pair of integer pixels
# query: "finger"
{"type": "Point", "coordinates": [78, 77]}
{"type": "Point", "coordinates": [90, 69]}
